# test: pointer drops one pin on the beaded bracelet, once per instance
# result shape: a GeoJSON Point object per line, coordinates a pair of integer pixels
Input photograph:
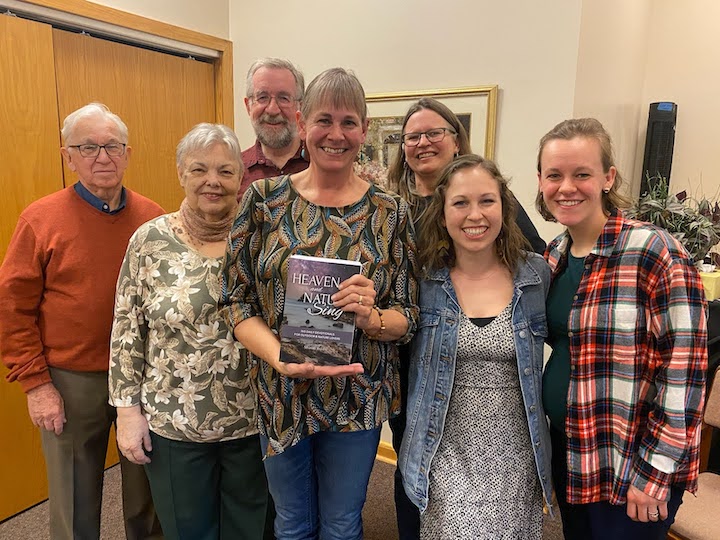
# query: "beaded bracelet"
{"type": "Point", "coordinates": [379, 333]}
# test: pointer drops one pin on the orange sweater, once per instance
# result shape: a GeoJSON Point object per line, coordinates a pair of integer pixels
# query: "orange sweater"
{"type": "Point", "coordinates": [57, 284]}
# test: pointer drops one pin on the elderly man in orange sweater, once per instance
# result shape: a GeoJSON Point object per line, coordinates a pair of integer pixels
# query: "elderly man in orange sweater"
{"type": "Point", "coordinates": [57, 285]}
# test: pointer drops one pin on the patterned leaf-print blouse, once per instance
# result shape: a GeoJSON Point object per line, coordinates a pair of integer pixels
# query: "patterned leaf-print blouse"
{"type": "Point", "coordinates": [171, 350]}
{"type": "Point", "coordinates": [274, 222]}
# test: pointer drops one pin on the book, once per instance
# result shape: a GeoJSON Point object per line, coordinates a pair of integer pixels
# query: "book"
{"type": "Point", "coordinates": [312, 329]}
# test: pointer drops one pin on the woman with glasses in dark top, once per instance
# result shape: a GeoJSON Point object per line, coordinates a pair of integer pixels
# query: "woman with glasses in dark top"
{"type": "Point", "coordinates": [432, 136]}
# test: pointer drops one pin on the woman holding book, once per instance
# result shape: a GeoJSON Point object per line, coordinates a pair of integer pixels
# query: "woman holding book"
{"type": "Point", "coordinates": [319, 424]}
{"type": "Point", "coordinates": [432, 136]}
{"type": "Point", "coordinates": [626, 315]}
{"type": "Point", "coordinates": [475, 457]}
{"type": "Point", "coordinates": [185, 405]}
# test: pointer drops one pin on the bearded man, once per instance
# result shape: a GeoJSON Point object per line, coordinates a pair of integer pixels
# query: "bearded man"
{"type": "Point", "coordinates": [275, 89]}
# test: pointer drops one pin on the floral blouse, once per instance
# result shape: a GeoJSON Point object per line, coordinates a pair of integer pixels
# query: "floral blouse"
{"type": "Point", "coordinates": [274, 222]}
{"type": "Point", "coordinates": [171, 351]}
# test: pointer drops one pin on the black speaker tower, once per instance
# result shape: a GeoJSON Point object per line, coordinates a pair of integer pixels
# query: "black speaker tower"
{"type": "Point", "coordinates": [659, 143]}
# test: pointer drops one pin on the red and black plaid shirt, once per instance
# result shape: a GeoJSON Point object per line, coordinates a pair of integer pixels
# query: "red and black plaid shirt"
{"type": "Point", "coordinates": [638, 348]}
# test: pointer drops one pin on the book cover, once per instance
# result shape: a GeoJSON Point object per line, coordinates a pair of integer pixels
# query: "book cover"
{"type": "Point", "coordinates": [313, 330]}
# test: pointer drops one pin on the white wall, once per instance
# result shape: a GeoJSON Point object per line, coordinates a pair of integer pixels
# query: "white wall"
{"type": "Point", "coordinates": [682, 66]}
{"type": "Point", "coordinates": [206, 16]}
{"type": "Point", "coordinates": [635, 53]}
{"type": "Point", "coordinates": [611, 62]}
{"type": "Point", "coordinates": [526, 47]}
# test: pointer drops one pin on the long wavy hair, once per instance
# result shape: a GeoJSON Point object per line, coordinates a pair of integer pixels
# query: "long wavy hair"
{"type": "Point", "coordinates": [435, 247]}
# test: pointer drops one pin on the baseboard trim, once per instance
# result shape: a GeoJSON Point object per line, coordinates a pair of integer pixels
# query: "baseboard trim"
{"type": "Point", "coordinates": [386, 453]}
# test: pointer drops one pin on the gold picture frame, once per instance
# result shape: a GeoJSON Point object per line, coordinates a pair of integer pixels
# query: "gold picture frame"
{"type": "Point", "coordinates": [476, 107]}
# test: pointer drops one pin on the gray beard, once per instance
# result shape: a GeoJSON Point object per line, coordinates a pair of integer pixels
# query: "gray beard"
{"type": "Point", "coordinates": [273, 138]}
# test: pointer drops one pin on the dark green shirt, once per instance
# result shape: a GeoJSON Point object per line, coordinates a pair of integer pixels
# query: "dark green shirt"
{"type": "Point", "coordinates": [556, 378]}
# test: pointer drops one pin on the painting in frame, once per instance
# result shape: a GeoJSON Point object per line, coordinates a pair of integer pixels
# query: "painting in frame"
{"type": "Point", "coordinates": [476, 107]}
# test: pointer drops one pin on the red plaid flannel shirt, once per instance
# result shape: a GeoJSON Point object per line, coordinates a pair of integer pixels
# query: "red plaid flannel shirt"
{"type": "Point", "coordinates": [638, 343]}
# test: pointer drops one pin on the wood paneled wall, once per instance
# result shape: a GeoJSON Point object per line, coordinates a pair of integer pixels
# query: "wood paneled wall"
{"type": "Point", "coordinates": [47, 73]}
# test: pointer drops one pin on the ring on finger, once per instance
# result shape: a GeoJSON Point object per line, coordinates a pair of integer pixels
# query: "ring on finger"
{"type": "Point", "coordinates": [653, 514]}
{"type": "Point", "coordinates": [360, 299]}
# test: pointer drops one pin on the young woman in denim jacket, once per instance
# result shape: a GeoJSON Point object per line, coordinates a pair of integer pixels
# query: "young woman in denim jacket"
{"type": "Point", "coordinates": [432, 136]}
{"type": "Point", "coordinates": [475, 457]}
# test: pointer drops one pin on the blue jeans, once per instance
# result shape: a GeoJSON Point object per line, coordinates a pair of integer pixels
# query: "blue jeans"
{"type": "Point", "coordinates": [320, 484]}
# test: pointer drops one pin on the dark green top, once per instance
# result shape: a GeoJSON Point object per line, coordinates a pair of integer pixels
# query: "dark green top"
{"type": "Point", "coordinates": [556, 378]}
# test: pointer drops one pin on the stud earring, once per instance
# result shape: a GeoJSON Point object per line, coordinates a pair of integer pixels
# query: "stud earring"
{"type": "Point", "coordinates": [606, 190]}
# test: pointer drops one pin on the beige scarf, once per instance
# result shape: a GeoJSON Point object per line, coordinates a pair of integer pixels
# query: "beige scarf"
{"type": "Point", "coordinates": [203, 230]}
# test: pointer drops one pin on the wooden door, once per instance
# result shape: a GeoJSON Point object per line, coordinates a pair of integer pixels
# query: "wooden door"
{"type": "Point", "coordinates": [159, 96]}
{"type": "Point", "coordinates": [44, 75]}
{"type": "Point", "coordinates": [30, 157]}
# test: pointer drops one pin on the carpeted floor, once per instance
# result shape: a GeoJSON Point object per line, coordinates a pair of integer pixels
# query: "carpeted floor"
{"type": "Point", "coordinates": [378, 516]}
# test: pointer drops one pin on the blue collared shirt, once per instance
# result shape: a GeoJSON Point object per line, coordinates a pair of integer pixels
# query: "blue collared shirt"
{"type": "Point", "coordinates": [99, 203]}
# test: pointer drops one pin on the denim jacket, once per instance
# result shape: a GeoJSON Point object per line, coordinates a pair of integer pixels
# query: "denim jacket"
{"type": "Point", "coordinates": [432, 371]}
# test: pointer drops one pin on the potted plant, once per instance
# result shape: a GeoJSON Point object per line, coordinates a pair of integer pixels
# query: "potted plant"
{"type": "Point", "coordinates": [694, 222]}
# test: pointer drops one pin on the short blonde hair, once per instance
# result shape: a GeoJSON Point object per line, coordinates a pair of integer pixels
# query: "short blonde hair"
{"type": "Point", "coordinates": [338, 88]}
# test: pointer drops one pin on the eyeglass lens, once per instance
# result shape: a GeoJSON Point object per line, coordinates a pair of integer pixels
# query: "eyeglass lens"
{"type": "Point", "coordinates": [283, 100]}
{"type": "Point", "coordinates": [432, 135]}
{"type": "Point", "coordinates": [93, 150]}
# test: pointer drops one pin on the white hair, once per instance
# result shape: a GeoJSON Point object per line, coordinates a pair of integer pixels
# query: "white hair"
{"type": "Point", "coordinates": [92, 110]}
{"type": "Point", "coordinates": [203, 136]}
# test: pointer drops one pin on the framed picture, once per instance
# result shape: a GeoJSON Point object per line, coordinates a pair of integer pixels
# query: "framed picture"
{"type": "Point", "coordinates": [476, 107]}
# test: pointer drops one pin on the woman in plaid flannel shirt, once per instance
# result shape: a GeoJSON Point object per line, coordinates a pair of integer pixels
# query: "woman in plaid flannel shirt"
{"type": "Point", "coordinates": [626, 317]}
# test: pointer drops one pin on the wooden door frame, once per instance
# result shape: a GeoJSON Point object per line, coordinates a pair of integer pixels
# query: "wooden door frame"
{"type": "Point", "coordinates": [224, 98]}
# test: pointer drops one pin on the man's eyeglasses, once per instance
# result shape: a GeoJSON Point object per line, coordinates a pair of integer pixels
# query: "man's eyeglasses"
{"type": "Point", "coordinates": [93, 150]}
{"type": "Point", "coordinates": [432, 135]}
{"type": "Point", "coordinates": [283, 101]}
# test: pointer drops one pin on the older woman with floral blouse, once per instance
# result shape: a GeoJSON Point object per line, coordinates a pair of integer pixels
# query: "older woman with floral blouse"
{"type": "Point", "coordinates": [186, 408]}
